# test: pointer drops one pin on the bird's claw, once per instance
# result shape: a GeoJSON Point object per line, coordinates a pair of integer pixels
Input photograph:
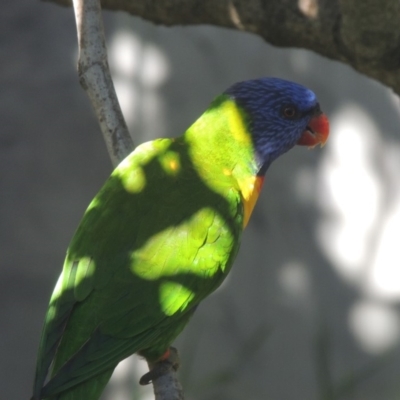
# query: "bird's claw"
{"type": "Point", "coordinates": [162, 367]}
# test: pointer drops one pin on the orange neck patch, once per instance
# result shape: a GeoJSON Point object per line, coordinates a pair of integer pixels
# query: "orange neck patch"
{"type": "Point", "coordinates": [250, 189]}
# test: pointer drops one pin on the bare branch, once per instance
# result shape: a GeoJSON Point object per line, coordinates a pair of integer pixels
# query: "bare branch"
{"type": "Point", "coordinates": [362, 34]}
{"type": "Point", "coordinates": [167, 387]}
{"type": "Point", "coordinates": [95, 78]}
{"type": "Point", "coordinates": [370, 31]}
{"type": "Point", "coordinates": [163, 376]}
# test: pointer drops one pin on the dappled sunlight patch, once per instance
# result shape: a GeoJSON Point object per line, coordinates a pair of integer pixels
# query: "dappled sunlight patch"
{"type": "Point", "coordinates": [236, 120]}
{"type": "Point", "coordinates": [309, 8]}
{"type": "Point", "coordinates": [140, 68]}
{"type": "Point", "coordinates": [295, 281]}
{"type": "Point", "coordinates": [174, 297]}
{"type": "Point", "coordinates": [170, 161]}
{"type": "Point", "coordinates": [155, 67]}
{"type": "Point", "coordinates": [124, 52]}
{"type": "Point", "coordinates": [142, 155]}
{"type": "Point", "coordinates": [85, 269]}
{"type": "Point", "coordinates": [93, 204]}
{"type": "Point", "coordinates": [187, 245]}
{"type": "Point", "coordinates": [57, 292]}
{"type": "Point", "coordinates": [134, 181]}
{"type": "Point", "coordinates": [359, 230]}
{"type": "Point", "coordinates": [375, 326]}
{"type": "Point", "coordinates": [350, 192]}
{"type": "Point", "coordinates": [124, 56]}
{"type": "Point", "coordinates": [384, 276]}
{"type": "Point", "coordinates": [130, 170]}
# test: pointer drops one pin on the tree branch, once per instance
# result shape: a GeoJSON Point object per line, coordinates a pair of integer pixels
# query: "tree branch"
{"type": "Point", "coordinates": [362, 34]}
{"type": "Point", "coordinates": [370, 31]}
{"type": "Point", "coordinates": [163, 376]}
{"type": "Point", "coordinates": [95, 78]}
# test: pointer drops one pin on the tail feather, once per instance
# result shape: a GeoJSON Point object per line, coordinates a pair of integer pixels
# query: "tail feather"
{"type": "Point", "coordinates": [88, 390]}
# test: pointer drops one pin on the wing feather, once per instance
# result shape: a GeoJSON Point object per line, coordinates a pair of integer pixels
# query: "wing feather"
{"type": "Point", "coordinates": [136, 268]}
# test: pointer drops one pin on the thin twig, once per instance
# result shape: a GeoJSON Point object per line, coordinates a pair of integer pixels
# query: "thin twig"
{"type": "Point", "coordinates": [168, 387]}
{"type": "Point", "coordinates": [95, 78]}
{"type": "Point", "coordinates": [163, 376]}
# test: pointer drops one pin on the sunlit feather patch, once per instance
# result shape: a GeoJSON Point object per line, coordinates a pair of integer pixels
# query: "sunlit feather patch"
{"type": "Point", "coordinates": [236, 123]}
{"type": "Point", "coordinates": [171, 163]}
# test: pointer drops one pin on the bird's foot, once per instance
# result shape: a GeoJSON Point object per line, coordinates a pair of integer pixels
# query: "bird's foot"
{"type": "Point", "coordinates": [169, 361]}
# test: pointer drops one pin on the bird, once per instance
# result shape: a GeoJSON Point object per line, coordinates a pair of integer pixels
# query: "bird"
{"type": "Point", "coordinates": [163, 232]}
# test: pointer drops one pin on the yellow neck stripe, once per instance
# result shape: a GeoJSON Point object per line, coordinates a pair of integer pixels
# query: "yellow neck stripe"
{"type": "Point", "coordinates": [236, 122]}
{"type": "Point", "coordinates": [250, 189]}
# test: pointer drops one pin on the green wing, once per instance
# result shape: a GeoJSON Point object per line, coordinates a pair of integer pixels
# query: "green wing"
{"type": "Point", "coordinates": [153, 243]}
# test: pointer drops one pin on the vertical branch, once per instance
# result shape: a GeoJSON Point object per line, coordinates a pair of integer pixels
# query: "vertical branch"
{"type": "Point", "coordinates": [168, 387]}
{"type": "Point", "coordinates": [163, 376]}
{"type": "Point", "coordinates": [95, 78]}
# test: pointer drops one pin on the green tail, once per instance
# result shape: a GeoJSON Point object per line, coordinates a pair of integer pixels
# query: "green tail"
{"type": "Point", "coordinates": [89, 390]}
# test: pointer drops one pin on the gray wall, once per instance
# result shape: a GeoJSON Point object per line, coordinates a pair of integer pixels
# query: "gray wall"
{"type": "Point", "coordinates": [310, 310]}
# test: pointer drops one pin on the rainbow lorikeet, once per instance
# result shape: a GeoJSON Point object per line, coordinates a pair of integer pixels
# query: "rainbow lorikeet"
{"type": "Point", "coordinates": [163, 232]}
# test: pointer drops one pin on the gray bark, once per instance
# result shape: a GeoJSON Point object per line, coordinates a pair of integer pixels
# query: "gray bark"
{"type": "Point", "coordinates": [96, 80]}
{"type": "Point", "coordinates": [362, 34]}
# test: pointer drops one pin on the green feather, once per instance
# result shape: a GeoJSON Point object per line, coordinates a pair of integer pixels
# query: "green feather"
{"type": "Point", "coordinates": [159, 237]}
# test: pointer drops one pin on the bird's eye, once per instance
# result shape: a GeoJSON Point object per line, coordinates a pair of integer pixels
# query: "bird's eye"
{"type": "Point", "coordinates": [289, 112]}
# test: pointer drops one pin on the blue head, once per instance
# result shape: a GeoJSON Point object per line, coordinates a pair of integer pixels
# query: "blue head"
{"type": "Point", "coordinates": [279, 114]}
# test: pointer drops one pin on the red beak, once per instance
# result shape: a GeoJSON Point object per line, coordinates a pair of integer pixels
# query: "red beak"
{"type": "Point", "coordinates": [317, 132]}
